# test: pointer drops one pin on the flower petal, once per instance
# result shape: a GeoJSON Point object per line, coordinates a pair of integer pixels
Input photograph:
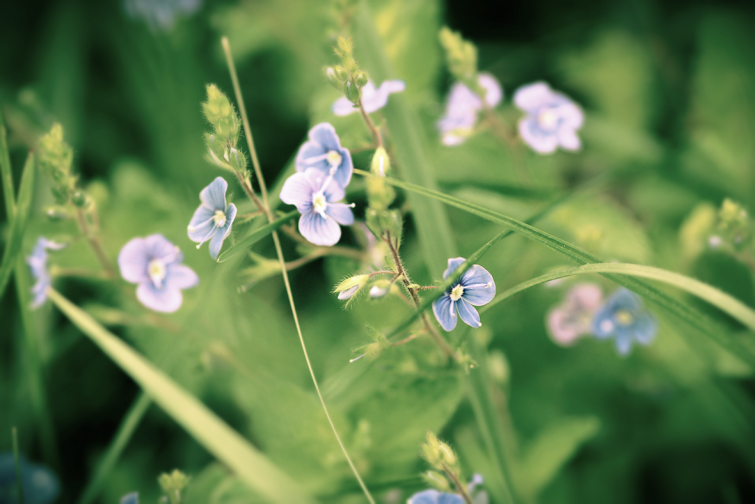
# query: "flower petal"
{"type": "Point", "coordinates": [213, 196]}
{"type": "Point", "coordinates": [311, 155]}
{"type": "Point", "coordinates": [445, 312]}
{"type": "Point", "coordinates": [623, 342]}
{"type": "Point", "coordinates": [467, 313]}
{"type": "Point", "coordinates": [341, 212]}
{"type": "Point", "coordinates": [570, 113]}
{"type": "Point", "coordinates": [230, 216]}
{"type": "Point", "coordinates": [392, 86]}
{"type": "Point", "coordinates": [541, 141]}
{"type": "Point", "coordinates": [180, 276]}
{"type": "Point", "coordinates": [165, 299]}
{"type": "Point", "coordinates": [298, 190]}
{"type": "Point", "coordinates": [133, 261]}
{"type": "Point", "coordinates": [645, 327]}
{"type": "Point", "coordinates": [568, 139]}
{"type": "Point", "coordinates": [561, 328]}
{"type": "Point", "coordinates": [345, 169]}
{"type": "Point", "coordinates": [452, 265]}
{"type": "Point", "coordinates": [585, 296]}
{"type": "Point", "coordinates": [343, 107]}
{"type": "Point", "coordinates": [319, 230]}
{"type": "Point", "coordinates": [216, 244]}
{"type": "Point", "coordinates": [132, 498]}
{"type": "Point", "coordinates": [158, 247]}
{"type": "Point", "coordinates": [603, 325]}
{"type": "Point", "coordinates": [479, 286]}
{"type": "Point", "coordinates": [201, 224]}
{"type": "Point", "coordinates": [325, 135]}
{"type": "Point", "coordinates": [532, 96]}
{"type": "Point", "coordinates": [493, 91]}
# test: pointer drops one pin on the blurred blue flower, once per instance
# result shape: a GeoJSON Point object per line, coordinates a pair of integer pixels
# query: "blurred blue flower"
{"type": "Point", "coordinates": [37, 262]}
{"type": "Point", "coordinates": [552, 119]}
{"type": "Point", "coordinates": [132, 498]}
{"type": "Point", "coordinates": [624, 318]}
{"type": "Point", "coordinates": [462, 107]}
{"type": "Point", "coordinates": [315, 195]}
{"type": "Point", "coordinates": [214, 217]}
{"type": "Point", "coordinates": [372, 99]}
{"type": "Point", "coordinates": [475, 287]}
{"type": "Point", "coordinates": [160, 14]}
{"type": "Point", "coordinates": [435, 497]}
{"type": "Point", "coordinates": [155, 264]}
{"type": "Point", "coordinates": [324, 153]}
{"type": "Point", "coordinates": [573, 318]}
{"type": "Point", "coordinates": [40, 485]}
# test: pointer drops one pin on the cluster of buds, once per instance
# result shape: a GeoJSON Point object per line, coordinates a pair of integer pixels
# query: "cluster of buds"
{"type": "Point", "coordinates": [226, 126]}
{"type": "Point", "coordinates": [172, 484]}
{"type": "Point", "coordinates": [347, 77]}
{"type": "Point", "coordinates": [55, 158]}
{"type": "Point", "coordinates": [461, 58]}
{"type": "Point", "coordinates": [733, 228]}
{"type": "Point", "coordinates": [444, 464]}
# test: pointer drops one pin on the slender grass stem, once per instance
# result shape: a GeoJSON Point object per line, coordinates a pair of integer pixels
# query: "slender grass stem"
{"type": "Point", "coordinates": [374, 130]}
{"type": "Point", "coordinates": [460, 486]}
{"type": "Point", "coordinates": [94, 242]}
{"type": "Point", "coordinates": [279, 251]}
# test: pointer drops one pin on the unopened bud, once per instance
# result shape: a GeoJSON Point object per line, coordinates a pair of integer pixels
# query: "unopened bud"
{"type": "Point", "coordinates": [79, 199]}
{"type": "Point", "coordinates": [436, 480]}
{"type": "Point", "coordinates": [361, 78]}
{"type": "Point", "coordinates": [56, 213]}
{"type": "Point", "coordinates": [380, 288]}
{"type": "Point", "coordinates": [448, 456]}
{"type": "Point", "coordinates": [349, 287]}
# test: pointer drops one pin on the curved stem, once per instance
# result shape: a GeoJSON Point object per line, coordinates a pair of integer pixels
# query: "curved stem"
{"type": "Point", "coordinates": [94, 242]}
{"type": "Point", "coordinates": [374, 130]}
{"type": "Point", "coordinates": [460, 487]}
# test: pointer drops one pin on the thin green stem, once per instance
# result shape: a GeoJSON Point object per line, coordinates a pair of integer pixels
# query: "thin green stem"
{"type": "Point", "coordinates": [374, 130]}
{"type": "Point", "coordinates": [17, 459]}
{"type": "Point", "coordinates": [7, 172]}
{"type": "Point", "coordinates": [282, 260]}
{"type": "Point", "coordinates": [460, 487]}
{"type": "Point", "coordinates": [94, 242]}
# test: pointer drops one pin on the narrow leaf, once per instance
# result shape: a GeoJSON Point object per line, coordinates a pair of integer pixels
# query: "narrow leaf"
{"type": "Point", "coordinates": [204, 425]}
{"type": "Point", "coordinates": [256, 236]}
{"type": "Point", "coordinates": [6, 171]}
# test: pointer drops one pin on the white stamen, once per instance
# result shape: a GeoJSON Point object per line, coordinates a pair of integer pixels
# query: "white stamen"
{"type": "Point", "coordinates": [156, 271]}
{"type": "Point", "coordinates": [320, 204]}
{"type": "Point", "coordinates": [219, 218]}
{"type": "Point", "coordinates": [547, 119]}
{"type": "Point", "coordinates": [457, 292]}
{"type": "Point", "coordinates": [334, 158]}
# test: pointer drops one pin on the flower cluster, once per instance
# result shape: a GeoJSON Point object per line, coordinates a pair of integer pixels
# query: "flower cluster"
{"type": "Point", "coordinates": [463, 106]}
{"type": "Point", "coordinates": [622, 317]}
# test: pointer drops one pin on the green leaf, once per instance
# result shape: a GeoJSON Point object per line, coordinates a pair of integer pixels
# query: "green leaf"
{"type": "Point", "coordinates": [6, 171]}
{"type": "Point", "coordinates": [18, 224]}
{"type": "Point", "coordinates": [256, 236]}
{"type": "Point", "coordinates": [204, 425]}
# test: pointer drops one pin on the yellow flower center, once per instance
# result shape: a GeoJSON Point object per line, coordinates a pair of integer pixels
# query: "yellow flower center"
{"type": "Point", "coordinates": [623, 317]}
{"type": "Point", "coordinates": [320, 203]}
{"type": "Point", "coordinates": [156, 271]}
{"type": "Point", "coordinates": [457, 292]}
{"type": "Point", "coordinates": [219, 218]}
{"type": "Point", "coordinates": [547, 119]}
{"type": "Point", "coordinates": [334, 158]}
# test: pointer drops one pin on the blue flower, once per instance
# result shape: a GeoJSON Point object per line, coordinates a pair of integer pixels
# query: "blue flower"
{"type": "Point", "coordinates": [155, 264]}
{"type": "Point", "coordinates": [372, 99]}
{"type": "Point", "coordinates": [552, 119]}
{"type": "Point", "coordinates": [624, 318]}
{"type": "Point", "coordinates": [40, 485]}
{"type": "Point", "coordinates": [160, 14]}
{"type": "Point", "coordinates": [435, 497]}
{"type": "Point", "coordinates": [37, 262]}
{"type": "Point", "coordinates": [324, 153]}
{"type": "Point", "coordinates": [314, 195]}
{"type": "Point", "coordinates": [475, 287]}
{"type": "Point", "coordinates": [132, 498]}
{"type": "Point", "coordinates": [463, 106]}
{"type": "Point", "coordinates": [214, 217]}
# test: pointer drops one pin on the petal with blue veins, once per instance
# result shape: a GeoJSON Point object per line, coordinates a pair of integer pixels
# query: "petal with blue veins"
{"type": "Point", "coordinates": [133, 261]}
{"type": "Point", "coordinates": [180, 276]}
{"type": "Point", "coordinates": [533, 96]}
{"type": "Point", "coordinates": [445, 312]}
{"type": "Point", "coordinates": [468, 313]}
{"type": "Point", "coordinates": [541, 141]}
{"type": "Point", "coordinates": [325, 135]}
{"type": "Point", "coordinates": [201, 224]}
{"type": "Point", "coordinates": [341, 212]}
{"type": "Point", "coordinates": [213, 196]}
{"type": "Point", "coordinates": [453, 264]}
{"type": "Point", "coordinates": [165, 300]}
{"type": "Point", "coordinates": [319, 230]}
{"type": "Point", "coordinates": [298, 190]}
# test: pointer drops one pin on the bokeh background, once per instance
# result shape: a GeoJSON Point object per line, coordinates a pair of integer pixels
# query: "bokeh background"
{"type": "Point", "coordinates": [668, 89]}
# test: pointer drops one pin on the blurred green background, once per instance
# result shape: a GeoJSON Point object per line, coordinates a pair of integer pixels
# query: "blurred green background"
{"type": "Point", "coordinates": [669, 94]}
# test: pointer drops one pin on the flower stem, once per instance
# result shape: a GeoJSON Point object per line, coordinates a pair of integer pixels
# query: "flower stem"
{"type": "Point", "coordinates": [460, 487]}
{"type": "Point", "coordinates": [94, 242]}
{"type": "Point", "coordinates": [279, 251]}
{"type": "Point", "coordinates": [374, 130]}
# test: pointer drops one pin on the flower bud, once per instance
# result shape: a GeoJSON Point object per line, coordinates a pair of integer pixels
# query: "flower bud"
{"type": "Point", "coordinates": [221, 114]}
{"type": "Point", "coordinates": [79, 199]}
{"type": "Point", "coordinates": [447, 454]}
{"type": "Point", "coordinates": [360, 78]}
{"type": "Point", "coordinates": [380, 288]}
{"type": "Point", "coordinates": [56, 213]}
{"type": "Point", "coordinates": [173, 483]}
{"type": "Point", "coordinates": [349, 287]}
{"type": "Point", "coordinates": [55, 158]}
{"type": "Point", "coordinates": [237, 159]}
{"type": "Point", "coordinates": [437, 480]}
{"type": "Point", "coordinates": [461, 57]}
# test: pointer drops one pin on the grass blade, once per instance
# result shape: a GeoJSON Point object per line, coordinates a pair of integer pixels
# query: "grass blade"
{"type": "Point", "coordinates": [205, 426]}
{"type": "Point", "coordinates": [6, 171]}
{"type": "Point", "coordinates": [256, 236]}
{"type": "Point", "coordinates": [18, 222]}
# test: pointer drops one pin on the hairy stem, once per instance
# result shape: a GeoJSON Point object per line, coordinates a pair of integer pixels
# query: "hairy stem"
{"type": "Point", "coordinates": [460, 487]}
{"type": "Point", "coordinates": [374, 130]}
{"type": "Point", "coordinates": [94, 242]}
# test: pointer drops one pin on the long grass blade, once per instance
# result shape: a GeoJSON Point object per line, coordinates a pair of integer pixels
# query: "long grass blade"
{"type": "Point", "coordinates": [255, 236]}
{"type": "Point", "coordinates": [205, 426]}
{"type": "Point", "coordinates": [6, 172]}
{"type": "Point", "coordinates": [18, 222]}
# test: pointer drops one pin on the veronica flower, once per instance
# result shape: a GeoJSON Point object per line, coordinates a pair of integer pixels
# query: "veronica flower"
{"type": "Point", "coordinates": [155, 264]}
{"type": "Point", "coordinates": [324, 153]}
{"type": "Point", "coordinates": [160, 14]}
{"type": "Point", "coordinates": [132, 498]}
{"type": "Point", "coordinates": [314, 195]}
{"type": "Point", "coordinates": [372, 98]}
{"type": "Point", "coordinates": [37, 262]}
{"type": "Point", "coordinates": [40, 485]}
{"type": "Point", "coordinates": [463, 106]}
{"type": "Point", "coordinates": [573, 318]}
{"type": "Point", "coordinates": [214, 217]}
{"type": "Point", "coordinates": [475, 287]}
{"type": "Point", "coordinates": [552, 119]}
{"type": "Point", "coordinates": [624, 318]}
{"type": "Point", "coordinates": [435, 497]}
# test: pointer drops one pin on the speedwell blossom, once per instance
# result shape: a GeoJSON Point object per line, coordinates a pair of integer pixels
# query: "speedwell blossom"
{"type": "Point", "coordinates": [573, 318]}
{"type": "Point", "coordinates": [214, 217]}
{"type": "Point", "coordinates": [462, 108]}
{"type": "Point", "coordinates": [372, 98]}
{"type": "Point", "coordinates": [324, 153]}
{"type": "Point", "coordinates": [132, 498]}
{"type": "Point", "coordinates": [435, 497]}
{"type": "Point", "coordinates": [625, 319]}
{"type": "Point", "coordinates": [552, 119]}
{"type": "Point", "coordinates": [475, 287]}
{"type": "Point", "coordinates": [315, 196]}
{"type": "Point", "coordinates": [37, 262]}
{"type": "Point", "coordinates": [39, 484]}
{"type": "Point", "coordinates": [155, 264]}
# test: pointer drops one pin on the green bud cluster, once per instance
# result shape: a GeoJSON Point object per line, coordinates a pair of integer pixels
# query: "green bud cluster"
{"type": "Point", "coordinates": [172, 484]}
{"type": "Point", "coordinates": [55, 158]}
{"type": "Point", "coordinates": [444, 462]}
{"type": "Point", "coordinates": [347, 77]}
{"type": "Point", "coordinates": [734, 226]}
{"type": "Point", "coordinates": [380, 194]}
{"type": "Point", "coordinates": [226, 126]}
{"type": "Point", "coordinates": [461, 58]}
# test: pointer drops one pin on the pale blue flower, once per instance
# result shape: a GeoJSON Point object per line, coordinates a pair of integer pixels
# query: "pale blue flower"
{"type": "Point", "coordinates": [552, 119]}
{"type": "Point", "coordinates": [463, 106]}
{"type": "Point", "coordinates": [435, 497]}
{"type": "Point", "coordinates": [625, 319]}
{"type": "Point", "coordinates": [155, 264]}
{"type": "Point", "coordinates": [315, 196]}
{"type": "Point", "coordinates": [40, 485]}
{"type": "Point", "coordinates": [160, 14]}
{"type": "Point", "coordinates": [324, 153]}
{"type": "Point", "coordinates": [132, 498]}
{"type": "Point", "coordinates": [37, 262]}
{"type": "Point", "coordinates": [372, 98]}
{"type": "Point", "coordinates": [475, 287]}
{"type": "Point", "coordinates": [574, 317]}
{"type": "Point", "coordinates": [214, 217]}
